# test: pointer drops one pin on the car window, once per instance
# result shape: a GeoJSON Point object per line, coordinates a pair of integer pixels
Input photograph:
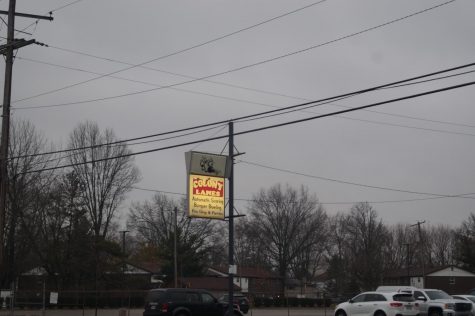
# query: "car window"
{"type": "Point", "coordinates": [417, 294]}
{"type": "Point", "coordinates": [403, 297]}
{"type": "Point", "coordinates": [177, 296]}
{"type": "Point", "coordinates": [460, 298]}
{"type": "Point", "coordinates": [154, 296]}
{"type": "Point", "coordinates": [434, 295]}
{"type": "Point", "coordinates": [379, 298]}
{"type": "Point", "coordinates": [359, 298]}
{"type": "Point", "coordinates": [374, 298]}
{"type": "Point", "coordinates": [192, 297]}
{"type": "Point", "coordinates": [206, 298]}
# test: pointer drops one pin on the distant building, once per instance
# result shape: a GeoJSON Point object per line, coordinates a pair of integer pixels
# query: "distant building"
{"type": "Point", "coordinates": [451, 279]}
{"type": "Point", "coordinates": [254, 281]}
{"type": "Point", "coordinates": [216, 285]}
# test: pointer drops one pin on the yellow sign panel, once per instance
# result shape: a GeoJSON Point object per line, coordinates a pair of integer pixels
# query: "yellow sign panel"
{"type": "Point", "coordinates": [206, 196]}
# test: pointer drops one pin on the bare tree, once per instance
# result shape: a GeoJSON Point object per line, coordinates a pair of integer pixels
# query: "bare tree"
{"type": "Point", "coordinates": [367, 236]}
{"type": "Point", "coordinates": [247, 248]}
{"type": "Point", "coordinates": [339, 257]}
{"type": "Point", "coordinates": [465, 243]}
{"type": "Point", "coordinates": [400, 247]}
{"type": "Point", "coordinates": [105, 173]}
{"type": "Point", "coordinates": [289, 224]}
{"type": "Point", "coordinates": [27, 182]}
{"type": "Point", "coordinates": [441, 244]}
{"type": "Point", "coordinates": [153, 223]}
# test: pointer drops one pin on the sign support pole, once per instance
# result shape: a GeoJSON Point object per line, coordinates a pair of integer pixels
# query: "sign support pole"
{"type": "Point", "coordinates": [232, 268]}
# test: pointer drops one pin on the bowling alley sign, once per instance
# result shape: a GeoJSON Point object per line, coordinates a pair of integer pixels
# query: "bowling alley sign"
{"type": "Point", "coordinates": [206, 175]}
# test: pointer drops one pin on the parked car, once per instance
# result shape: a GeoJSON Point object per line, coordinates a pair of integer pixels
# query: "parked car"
{"type": "Point", "coordinates": [379, 304]}
{"type": "Point", "coordinates": [184, 302]}
{"type": "Point", "coordinates": [433, 302]}
{"type": "Point", "coordinates": [239, 299]}
{"type": "Point", "coordinates": [470, 298]}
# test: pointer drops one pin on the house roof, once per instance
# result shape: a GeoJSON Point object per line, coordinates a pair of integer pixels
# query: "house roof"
{"type": "Point", "coordinates": [246, 272]}
{"type": "Point", "coordinates": [418, 271]}
{"type": "Point", "coordinates": [151, 267]}
{"type": "Point", "coordinates": [207, 283]}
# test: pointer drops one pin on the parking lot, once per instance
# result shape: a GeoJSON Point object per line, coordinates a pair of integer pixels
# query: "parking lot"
{"type": "Point", "coordinates": [138, 312]}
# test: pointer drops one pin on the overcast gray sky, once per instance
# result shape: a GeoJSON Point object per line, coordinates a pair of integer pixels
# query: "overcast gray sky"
{"type": "Point", "coordinates": [421, 145]}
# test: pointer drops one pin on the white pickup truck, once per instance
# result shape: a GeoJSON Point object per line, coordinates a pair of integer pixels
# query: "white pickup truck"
{"type": "Point", "coordinates": [434, 302]}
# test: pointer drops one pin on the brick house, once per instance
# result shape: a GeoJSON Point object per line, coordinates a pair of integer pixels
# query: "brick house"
{"type": "Point", "coordinates": [253, 281]}
{"type": "Point", "coordinates": [451, 279]}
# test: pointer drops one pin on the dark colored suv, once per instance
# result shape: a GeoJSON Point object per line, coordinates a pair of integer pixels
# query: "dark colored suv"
{"type": "Point", "coordinates": [239, 299]}
{"type": "Point", "coordinates": [184, 302]}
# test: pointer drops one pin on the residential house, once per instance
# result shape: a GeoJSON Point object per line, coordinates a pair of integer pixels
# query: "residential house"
{"type": "Point", "coordinates": [451, 279]}
{"type": "Point", "coordinates": [253, 281]}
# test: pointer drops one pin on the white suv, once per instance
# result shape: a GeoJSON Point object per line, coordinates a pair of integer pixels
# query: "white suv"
{"type": "Point", "coordinates": [379, 304]}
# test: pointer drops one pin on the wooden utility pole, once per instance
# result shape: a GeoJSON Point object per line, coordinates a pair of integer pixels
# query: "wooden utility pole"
{"type": "Point", "coordinates": [7, 95]}
{"type": "Point", "coordinates": [232, 268]}
{"type": "Point", "coordinates": [8, 50]}
{"type": "Point", "coordinates": [422, 249]}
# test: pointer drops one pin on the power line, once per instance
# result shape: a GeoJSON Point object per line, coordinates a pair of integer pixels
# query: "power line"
{"type": "Point", "coordinates": [179, 51]}
{"type": "Point", "coordinates": [276, 110]}
{"type": "Point", "coordinates": [140, 81]}
{"type": "Point", "coordinates": [50, 12]}
{"type": "Point", "coordinates": [216, 74]}
{"type": "Point", "coordinates": [351, 183]}
{"type": "Point", "coordinates": [268, 127]}
{"type": "Point", "coordinates": [323, 203]}
{"type": "Point", "coordinates": [117, 143]}
{"type": "Point", "coordinates": [65, 6]}
{"type": "Point", "coordinates": [254, 89]}
{"type": "Point", "coordinates": [269, 105]}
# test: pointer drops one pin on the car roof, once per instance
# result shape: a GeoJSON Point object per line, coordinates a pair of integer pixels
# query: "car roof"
{"type": "Point", "coordinates": [387, 294]}
{"type": "Point", "coordinates": [178, 290]}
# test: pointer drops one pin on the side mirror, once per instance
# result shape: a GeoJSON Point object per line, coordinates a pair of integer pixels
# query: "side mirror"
{"type": "Point", "coordinates": [350, 301]}
{"type": "Point", "coordinates": [421, 298]}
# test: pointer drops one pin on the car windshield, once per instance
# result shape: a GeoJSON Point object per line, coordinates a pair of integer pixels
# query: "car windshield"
{"type": "Point", "coordinates": [472, 298]}
{"type": "Point", "coordinates": [403, 297]}
{"type": "Point", "coordinates": [434, 295]}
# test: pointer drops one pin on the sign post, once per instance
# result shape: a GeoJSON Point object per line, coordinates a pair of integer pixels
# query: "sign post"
{"type": "Point", "coordinates": [205, 194]}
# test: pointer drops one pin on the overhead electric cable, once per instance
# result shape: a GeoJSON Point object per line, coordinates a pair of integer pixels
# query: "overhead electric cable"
{"type": "Point", "coordinates": [110, 145]}
{"type": "Point", "coordinates": [277, 110]}
{"type": "Point", "coordinates": [325, 203]}
{"type": "Point", "coordinates": [140, 81]}
{"type": "Point", "coordinates": [220, 73]}
{"type": "Point", "coordinates": [269, 105]}
{"type": "Point", "coordinates": [65, 6]}
{"type": "Point", "coordinates": [270, 126]}
{"type": "Point", "coordinates": [51, 12]}
{"type": "Point", "coordinates": [254, 89]}
{"type": "Point", "coordinates": [180, 51]}
{"type": "Point", "coordinates": [347, 182]}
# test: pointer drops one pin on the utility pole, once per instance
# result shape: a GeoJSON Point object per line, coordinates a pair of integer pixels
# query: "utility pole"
{"type": "Point", "coordinates": [123, 249]}
{"type": "Point", "coordinates": [232, 268]}
{"type": "Point", "coordinates": [422, 248]}
{"type": "Point", "coordinates": [8, 50]}
{"type": "Point", "coordinates": [175, 259]}
{"type": "Point", "coordinates": [407, 264]}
